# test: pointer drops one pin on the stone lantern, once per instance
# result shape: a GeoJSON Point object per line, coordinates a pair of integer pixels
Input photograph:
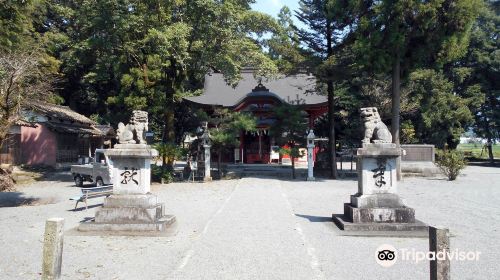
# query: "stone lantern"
{"type": "Point", "coordinates": [310, 151]}
{"type": "Point", "coordinates": [207, 143]}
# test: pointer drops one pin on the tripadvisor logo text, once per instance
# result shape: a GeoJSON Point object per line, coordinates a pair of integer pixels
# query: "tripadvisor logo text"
{"type": "Point", "coordinates": [387, 255]}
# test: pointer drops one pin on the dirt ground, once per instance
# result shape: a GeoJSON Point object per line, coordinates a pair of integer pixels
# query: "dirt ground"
{"type": "Point", "coordinates": [253, 228]}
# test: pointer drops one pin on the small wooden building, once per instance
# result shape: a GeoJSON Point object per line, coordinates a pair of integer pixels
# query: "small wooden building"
{"type": "Point", "coordinates": [52, 135]}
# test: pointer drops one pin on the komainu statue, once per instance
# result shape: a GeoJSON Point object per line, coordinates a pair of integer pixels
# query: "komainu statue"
{"type": "Point", "coordinates": [375, 130]}
{"type": "Point", "coordinates": [133, 133]}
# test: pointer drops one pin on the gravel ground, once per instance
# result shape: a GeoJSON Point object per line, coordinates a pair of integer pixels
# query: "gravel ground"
{"type": "Point", "coordinates": [253, 228]}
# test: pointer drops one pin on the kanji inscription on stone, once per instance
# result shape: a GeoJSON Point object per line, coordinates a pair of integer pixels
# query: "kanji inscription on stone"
{"type": "Point", "coordinates": [129, 175]}
{"type": "Point", "coordinates": [379, 173]}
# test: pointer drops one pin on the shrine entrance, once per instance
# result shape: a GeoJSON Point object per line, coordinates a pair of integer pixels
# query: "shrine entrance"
{"type": "Point", "coordinates": [257, 148]}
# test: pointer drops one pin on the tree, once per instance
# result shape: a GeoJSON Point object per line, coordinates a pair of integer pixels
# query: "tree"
{"type": "Point", "coordinates": [21, 82]}
{"type": "Point", "coordinates": [125, 55]}
{"type": "Point", "coordinates": [227, 126]}
{"type": "Point", "coordinates": [284, 45]}
{"type": "Point", "coordinates": [439, 116]}
{"type": "Point", "coordinates": [479, 71]}
{"type": "Point", "coordinates": [15, 23]}
{"type": "Point", "coordinates": [328, 23]}
{"type": "Point", "coordinates": [290, 129]}
{"type": "Point", "coordinates": [399, 36]}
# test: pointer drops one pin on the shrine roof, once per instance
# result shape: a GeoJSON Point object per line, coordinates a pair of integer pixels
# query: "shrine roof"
{"type": "Point", "coordinates": [301, 87]}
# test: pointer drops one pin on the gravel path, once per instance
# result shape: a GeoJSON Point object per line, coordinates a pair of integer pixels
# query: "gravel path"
{"type": "Point", "coordinates": [256, 228]}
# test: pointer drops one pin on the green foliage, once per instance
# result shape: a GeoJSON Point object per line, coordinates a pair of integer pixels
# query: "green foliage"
{"type": "Point", "coordinates": [290, 125]}
{"type": "Point", "coordinates": [158, 174]}
{"type": "Point", "coordinates": [118, 56]}
{"type": "Point", "coordinates": [451, 163]}
{"type": "Point", "coordinates": [113, 56]}
{"type": "Point", "coordinates": [477, 73]}
{"type": "Point", "coordinates": [227, 126]}
{"type": "Point", "coordinates": [417, 32]}
{"type": "Point", "coordinates": [169, 151]}
{"type": "Point", "coordinates": [284, 45]}
{"type": "Point", "coordinates": [15, 24]}
{"type": "Point", "coordinates": [440, 116]}
{"type": "Point", "coordinates": [408, 133]}
{"type": "Point", "coordinates": [289, 129]}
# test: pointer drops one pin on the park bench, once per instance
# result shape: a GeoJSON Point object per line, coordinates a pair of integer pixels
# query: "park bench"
{"type": "Point", "coordinates": [88, 193]}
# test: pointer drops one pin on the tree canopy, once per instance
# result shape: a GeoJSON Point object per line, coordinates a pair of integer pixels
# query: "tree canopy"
{"type": "Point", "coordinates": [114, 56]}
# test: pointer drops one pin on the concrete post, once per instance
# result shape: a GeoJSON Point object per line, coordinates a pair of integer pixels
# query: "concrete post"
{"type": "Point", "coordinates": [52, 249]}
{"type": "Point", "coordinates": [310, 151]}
{"type": "Point", "coordinates": [439, 241]}
{"type": "Point", "coordinates": [208, 176]}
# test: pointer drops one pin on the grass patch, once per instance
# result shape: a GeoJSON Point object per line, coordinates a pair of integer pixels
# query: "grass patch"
{"type": "Point", "coordinates": [479, 150]}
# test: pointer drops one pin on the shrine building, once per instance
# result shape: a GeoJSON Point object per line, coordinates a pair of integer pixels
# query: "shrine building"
{"type": "Point", "coordinates": [260, 98]}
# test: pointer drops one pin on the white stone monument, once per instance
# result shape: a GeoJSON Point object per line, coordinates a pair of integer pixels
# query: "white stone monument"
{"type": "Point", "coordinates": [310, 151]}
{"type": "Point", "coordinates": [377, 206]}
{"type": "Point", "coordinates": [131, 207]}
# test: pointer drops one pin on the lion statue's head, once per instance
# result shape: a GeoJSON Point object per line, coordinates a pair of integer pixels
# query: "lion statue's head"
{"type": "Point", "coordinates": [370, 114]}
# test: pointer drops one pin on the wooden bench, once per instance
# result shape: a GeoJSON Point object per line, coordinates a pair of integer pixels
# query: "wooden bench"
{"type": "Point", "coordinates": [88, 193]}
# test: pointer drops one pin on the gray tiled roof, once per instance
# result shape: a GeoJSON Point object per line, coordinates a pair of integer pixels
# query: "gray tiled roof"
{"type": "Point", "coordinates": [60, 112]}
{"type": "Point", "coordinates": [288, 88]}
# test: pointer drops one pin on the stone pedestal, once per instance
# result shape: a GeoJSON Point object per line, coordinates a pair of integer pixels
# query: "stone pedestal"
{"type": "Point", "coordinates": [131, 208]}
{"type": "Point", "coordinates": [377, 206]}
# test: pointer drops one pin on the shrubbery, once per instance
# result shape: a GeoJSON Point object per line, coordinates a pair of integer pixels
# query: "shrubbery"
{"type": "Point", "coordinates": [6, 181]}
{"type": "Point", "coordinates": [451, 163]}
{"type": "Point", "coordinates": [157, 175]}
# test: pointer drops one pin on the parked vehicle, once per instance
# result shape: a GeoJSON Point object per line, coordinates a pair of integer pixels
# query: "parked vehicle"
{"type": "Point", "coordinates": [98, 171]}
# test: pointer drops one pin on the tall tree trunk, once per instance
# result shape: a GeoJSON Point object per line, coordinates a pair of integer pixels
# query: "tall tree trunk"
{"type": "Point", "coordinates": [490, 150]}
{"type": "Point", "coordinates": [331, 131]}
{"type": "Point", "coordinates": [489, 144]}
{"type": "Point", "coordinates": [293, 166]}
{"type": "Point", "coordinates": [219, 162]}
{"type": "Point", "coordinates": [396, 103]}
{"type": "Point", "coordinates": [169, 128]}
{"type": "Point", "coordinates": [332, 155]}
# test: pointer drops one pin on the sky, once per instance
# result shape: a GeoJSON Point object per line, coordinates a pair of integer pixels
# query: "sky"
{"type": "Point", "coordinates": [273, 7]}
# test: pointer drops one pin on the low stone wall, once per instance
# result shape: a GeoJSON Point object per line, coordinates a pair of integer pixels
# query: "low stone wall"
{"type": "Point", "coordinates": [418, 152]}
{"type": "Point", "coordinates": [418, 159]}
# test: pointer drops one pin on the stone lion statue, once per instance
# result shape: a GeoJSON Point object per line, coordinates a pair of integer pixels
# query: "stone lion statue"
{"type": "Point", "coordinates": [133, 133]}
{"type": "Point", "coordinates": [375, 130]}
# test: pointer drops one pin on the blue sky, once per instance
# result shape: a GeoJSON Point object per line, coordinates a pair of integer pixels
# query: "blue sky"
{"type": "Point", "coordinates": [273, 7]}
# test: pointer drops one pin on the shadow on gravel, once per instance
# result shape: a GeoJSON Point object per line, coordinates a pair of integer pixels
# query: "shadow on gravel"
{"type": "Point", "coordinates": [86, 219]}
{"type": "Point", "coordinates": [437, 179]}
{"type": "Point", "coordinates": [83, 207]}
{"type": "Point", "coordinates": [14, 199]}
{"type": "Point", "coordinates": [484, 163]}
{"type": "Point", "coordinates": [315, 219]}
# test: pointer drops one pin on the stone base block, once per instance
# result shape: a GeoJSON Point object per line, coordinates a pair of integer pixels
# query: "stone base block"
{"type": "Point", "coordinates": [388, 200]}
{"type": "Point", "coordinates": [158, 226]}
{"type": "Point", "coordinates": [131, 146]}
{"type": "Point", "coordinates": [135, 200]}
{"type": "Point", "coordinates": [379, 215]}
{"type": "Point", "coordinates": [128, 215]}
{"type": "Point", "coordinates": [415, 229]}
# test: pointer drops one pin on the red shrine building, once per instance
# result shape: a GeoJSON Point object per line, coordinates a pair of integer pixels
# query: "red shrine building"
{"type": "Point", "coordinates": [259, 99]}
